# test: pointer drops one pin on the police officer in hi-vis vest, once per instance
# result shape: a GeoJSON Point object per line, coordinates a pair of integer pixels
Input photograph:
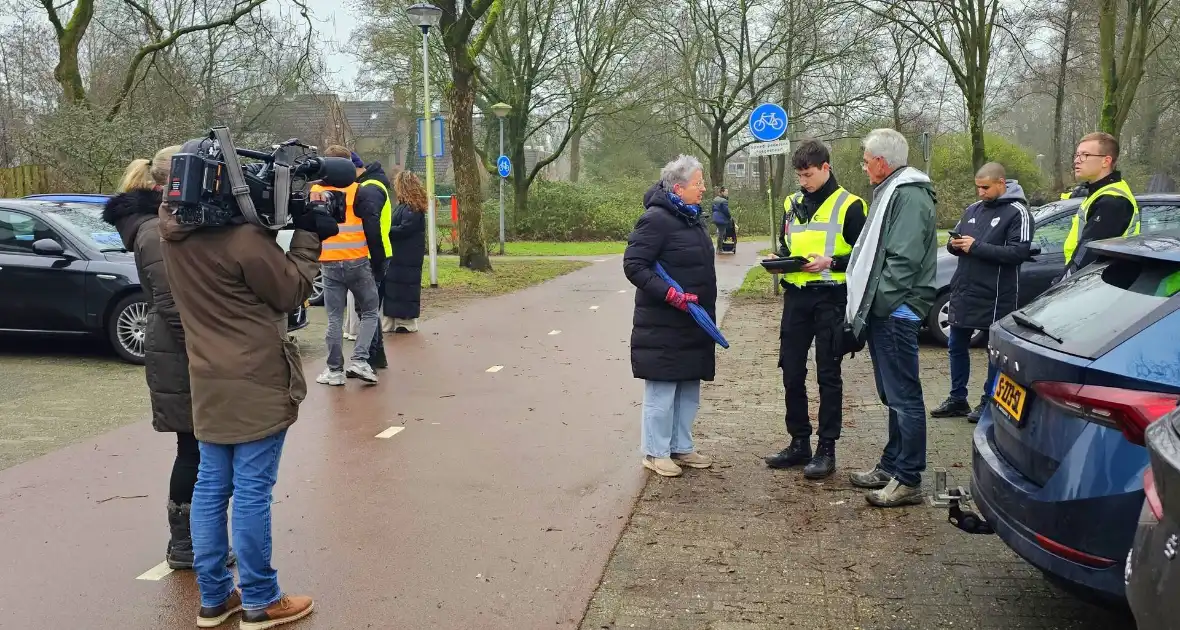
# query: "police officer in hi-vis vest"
{"type": "Point", "coordinates": [1109, 211]}
{"type": "Point", "coordinates": [821, 222]}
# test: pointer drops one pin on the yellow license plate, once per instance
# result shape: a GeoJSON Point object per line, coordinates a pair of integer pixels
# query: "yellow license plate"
{"type": "Point", "coordinates": [1010, 397]}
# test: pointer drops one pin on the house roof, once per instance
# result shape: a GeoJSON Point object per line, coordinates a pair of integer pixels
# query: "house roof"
{"type": "Point", "coordinates": [303, 116]}
{"type": "Point", "coordinates": [369, 119]}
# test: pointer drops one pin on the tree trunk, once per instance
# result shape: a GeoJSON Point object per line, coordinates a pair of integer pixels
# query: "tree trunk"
{"type": "Point", "coordinates": [975, 121]}
{"type": "Point", "coordinates": [1059, 99]}
{"type": "Point", "coordinates": [473, 253]}
{"type": "Point", "coordinates": [575, 156]}
{"type": "Point", "coordinates": [67, 73]}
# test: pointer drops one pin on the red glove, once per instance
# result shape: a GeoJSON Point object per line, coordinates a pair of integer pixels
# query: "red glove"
{"type": "Point", "coordinates": [679, 299]}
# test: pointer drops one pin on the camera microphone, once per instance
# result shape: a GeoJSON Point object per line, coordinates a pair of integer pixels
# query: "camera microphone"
{"type": "Point", "coordinates": [333, 171]}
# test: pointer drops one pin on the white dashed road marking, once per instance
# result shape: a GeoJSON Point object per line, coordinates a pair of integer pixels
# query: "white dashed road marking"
{"type": "Point", "coordinates": [390, 432]}
{"type": "Point", "coordinates": [623, 291]}
{"type": "Point", "coordinates": [594, 308]}
{"type": "Point", "coordinates": [495, 368]}
{"type": "Point", "coordinates": [156, 572]}
{"type": "Point", "coordinates": [554, 332]}
{"type": "Point", "coordinates": [600, 260]}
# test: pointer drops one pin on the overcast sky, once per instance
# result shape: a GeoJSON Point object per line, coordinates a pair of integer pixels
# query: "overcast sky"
{"type": "Point", "coordinates": [335, 23]}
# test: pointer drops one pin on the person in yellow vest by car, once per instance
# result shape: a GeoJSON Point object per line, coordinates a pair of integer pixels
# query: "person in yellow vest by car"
{"type": "Point", "coordinates": [348, 262]}
{"type": "Point", "coordinates": [821, 222]}
{"type": "Point", "coordinates": [374, 195]}
{"type": "Point", "coordinates": [1109, 211]}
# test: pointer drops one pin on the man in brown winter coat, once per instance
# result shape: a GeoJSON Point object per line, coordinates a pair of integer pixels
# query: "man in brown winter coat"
{"type": "Point", "coordinates": [234, 287]}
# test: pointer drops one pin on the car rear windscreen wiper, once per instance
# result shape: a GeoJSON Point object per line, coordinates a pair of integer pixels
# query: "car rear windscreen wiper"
{"type": "Point", "coordinates": [1034, 325]}
{"type": "Point", "coordinates": [108, 250]}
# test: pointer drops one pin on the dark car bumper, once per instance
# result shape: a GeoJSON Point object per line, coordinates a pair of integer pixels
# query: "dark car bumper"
{"type": "Point", "coordinates": [1007, 501]}
{"type": "Point", "coordinates": [1153, 573]}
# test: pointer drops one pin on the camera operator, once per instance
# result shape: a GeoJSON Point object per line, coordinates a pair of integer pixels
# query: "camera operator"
{"type": "Point", "coordinates": [234, 287]}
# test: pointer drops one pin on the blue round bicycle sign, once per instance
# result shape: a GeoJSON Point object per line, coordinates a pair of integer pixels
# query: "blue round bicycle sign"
{"type": "Point", "coordinates": [504, 165]}
{"type": "Point", "coordinates": [768, 122]}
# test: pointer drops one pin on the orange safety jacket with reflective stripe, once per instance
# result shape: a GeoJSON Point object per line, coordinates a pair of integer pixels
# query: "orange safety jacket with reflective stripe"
{"type": "Point", "coordinates": [350, 243]}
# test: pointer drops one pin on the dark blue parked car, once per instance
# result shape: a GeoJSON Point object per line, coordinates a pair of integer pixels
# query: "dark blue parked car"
{"type": "Point", "coordinates": [1058, 454]}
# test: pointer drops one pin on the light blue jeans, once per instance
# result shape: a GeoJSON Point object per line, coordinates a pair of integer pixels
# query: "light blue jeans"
{"type": "Point", "coordinates": [248, 473]}
{"type": "Point", "coordinates": [340, 278]}
{"type": "Point", "coordinates": [669, 409]}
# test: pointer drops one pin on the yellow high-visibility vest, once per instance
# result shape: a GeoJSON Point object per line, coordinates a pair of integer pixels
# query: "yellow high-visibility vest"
{"type": "Point", "coordinates": [1118, 189]}
{"type": "Point", "coordinates": [386, 216]}
{"type": "Point", "coordinates": [823, 235]}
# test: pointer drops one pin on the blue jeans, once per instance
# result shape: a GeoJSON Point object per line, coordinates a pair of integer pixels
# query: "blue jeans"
{"type": "Point", "coordinates": [247, 472]}
{"type": "Point", "coordinates": [669, 409]}
{"type": "Point", "coordinates": [893, 346]}
{"type": "Point", "coordinates": [340, 278]}
{"type": "Point", "coordinates": [960, 343]}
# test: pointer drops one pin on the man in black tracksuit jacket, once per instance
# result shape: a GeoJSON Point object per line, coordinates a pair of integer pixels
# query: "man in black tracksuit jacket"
{"type": "Point", "coordinates": [370, 203]}
{"type": "Point", "coordinates": [995, 237]}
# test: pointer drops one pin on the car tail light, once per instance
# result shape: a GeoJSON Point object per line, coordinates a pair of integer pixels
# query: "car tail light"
{"type": "Point", "coordinates": [1073, 555]}
{"type": "Point", "coordinates": [1127, 410]}
{"type": "Point", "coordinates": [1153, 497]}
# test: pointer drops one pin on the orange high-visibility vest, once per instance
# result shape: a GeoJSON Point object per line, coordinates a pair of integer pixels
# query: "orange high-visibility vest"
{"type": "Point", "coordinates": [350, 243]}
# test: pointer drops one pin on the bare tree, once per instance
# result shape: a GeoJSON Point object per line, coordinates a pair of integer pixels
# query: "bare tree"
{"type": "Point", "coordinates": [1123, 59]}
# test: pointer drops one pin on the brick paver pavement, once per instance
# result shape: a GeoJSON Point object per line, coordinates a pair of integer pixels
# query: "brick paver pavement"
{"type": "Point", "coordinates": [741, 547]}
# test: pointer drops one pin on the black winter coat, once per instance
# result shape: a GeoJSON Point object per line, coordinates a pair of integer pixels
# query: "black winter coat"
{"type": "Point", "coordinates": [666, 343]}
{"type": "Point", "coordinates": [986, 284]}
{"type": "Point", "coordinates": [134, 215]}
{"type": "Point", "coordinates": [403, 277]}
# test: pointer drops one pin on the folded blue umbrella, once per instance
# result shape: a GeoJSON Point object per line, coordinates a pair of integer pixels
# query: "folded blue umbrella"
{"type": "Point", "coordinates": [697, 311]}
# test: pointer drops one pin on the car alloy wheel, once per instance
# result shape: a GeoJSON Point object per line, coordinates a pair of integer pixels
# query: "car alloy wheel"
{"type": "Point", "coordinates": [944, 324]}
{"type": "Point", "coordinates": [317, 289]}
{"type": "Point", "coordinates": [131, 328]}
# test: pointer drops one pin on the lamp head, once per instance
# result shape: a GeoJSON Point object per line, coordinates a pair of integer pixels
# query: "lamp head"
{"type": "Point", "coordinates": [501, 109]}
{"type": "Point", "coordinates": [424, 16]}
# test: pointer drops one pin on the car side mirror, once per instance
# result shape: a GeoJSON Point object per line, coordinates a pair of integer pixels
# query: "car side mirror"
{"type": "Point", "coordinates": [48, 247]}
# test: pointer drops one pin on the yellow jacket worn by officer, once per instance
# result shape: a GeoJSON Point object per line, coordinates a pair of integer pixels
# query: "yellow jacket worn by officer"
{"type": "Point", "coordinates": [1109, 211]}
{"type": "Point", "coordinates": [821, 224]}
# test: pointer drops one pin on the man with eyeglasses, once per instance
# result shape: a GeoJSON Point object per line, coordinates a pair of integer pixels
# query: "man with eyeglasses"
{"type": "Point", "coordinates": [1110, 209]}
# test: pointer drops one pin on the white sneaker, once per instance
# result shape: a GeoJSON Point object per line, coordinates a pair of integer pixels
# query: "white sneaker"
{"type": "Point", "coordinates": [405, 325]}
{"type": "Point", "coordinates": [363, 371]}
{"type": "Point", "coordinates": [330, 377]}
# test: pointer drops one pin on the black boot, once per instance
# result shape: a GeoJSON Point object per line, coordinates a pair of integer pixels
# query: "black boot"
{"type": "Point", "coordinates": [180, 546]}
{"type": "Point", "coordinates": [797, 454]}
{"type": "Point", "coordinates": [973, 417]}
{"type": "Point", "coordinates": [824, 463]}
{"type": "Point", "coordinates": [951, 408]}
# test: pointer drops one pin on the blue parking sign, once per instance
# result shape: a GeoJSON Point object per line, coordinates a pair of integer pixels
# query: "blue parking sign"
{"type": "Point", "coordinates": [768, 122]}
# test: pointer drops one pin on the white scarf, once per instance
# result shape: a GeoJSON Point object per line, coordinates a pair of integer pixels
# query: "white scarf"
{"type": "Point", "coordinates": [864, 253]}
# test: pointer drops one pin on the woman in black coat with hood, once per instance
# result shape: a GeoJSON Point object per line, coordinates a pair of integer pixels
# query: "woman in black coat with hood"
{"type": "Point", "coordinates": [668, 350]}
{"type": "Point", "coordinates": [403, 277]}
{"type": "Point", "coordinates": [135, 214]}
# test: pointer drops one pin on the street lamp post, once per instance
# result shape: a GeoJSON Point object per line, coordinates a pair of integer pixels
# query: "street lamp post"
{"type": "Point", "coordinates": [425, 17]}
{"type": "Point", "coordinates": [501, 110]}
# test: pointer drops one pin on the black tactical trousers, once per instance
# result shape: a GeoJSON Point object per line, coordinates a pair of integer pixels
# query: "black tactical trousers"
{"type": "Point", "coordinates": [812, 313]}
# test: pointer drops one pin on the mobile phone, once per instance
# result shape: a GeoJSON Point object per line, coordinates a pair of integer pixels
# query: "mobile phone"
{"type": "Point", "coordinates": [954, 234]}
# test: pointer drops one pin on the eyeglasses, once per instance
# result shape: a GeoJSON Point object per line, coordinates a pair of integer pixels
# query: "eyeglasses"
{"type": "Point", "coordinates": [1083, 156]}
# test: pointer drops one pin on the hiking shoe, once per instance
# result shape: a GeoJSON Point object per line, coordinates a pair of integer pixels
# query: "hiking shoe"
{"type": "Point", "coordinates": [824, 463]}
{"type": "Point", "coordinates": [662, 466]}
{"type": "Point", "coordinates": [872, 480]}
{"type": "Point", "coordinates": [895, 494]}
{"type": "Point", "coordinates": [692, 460]}
{"type": "Point", "coordinates": [976, 413]}
{"type": "Point", "coordinates": [363, 371]}
{"type": "Point", "coordinates": [330, 377]}
{"type": "Point", "coordinates": [797, 454]}
{"type": "Point", "coordinates": [951, 408]}
{"type": "Point", "coordinates": [289, 608]}
{"type": "Point", "coordinates": [217, 615]}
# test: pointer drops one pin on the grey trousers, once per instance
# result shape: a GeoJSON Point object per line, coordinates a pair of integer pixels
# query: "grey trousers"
{"type": "Point", "coordinates": [339, 279]}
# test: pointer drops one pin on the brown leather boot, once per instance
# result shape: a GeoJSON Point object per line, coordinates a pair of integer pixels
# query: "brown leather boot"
{"type": "Point", "coordinates": [289, 608]}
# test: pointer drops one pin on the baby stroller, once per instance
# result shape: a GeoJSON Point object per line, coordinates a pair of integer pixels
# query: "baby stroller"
{"type": "Point", "coordinates": [727, 239]}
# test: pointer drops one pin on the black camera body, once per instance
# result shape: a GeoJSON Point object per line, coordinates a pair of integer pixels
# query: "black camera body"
{"type": "Point", "coordinates": [209, 187]}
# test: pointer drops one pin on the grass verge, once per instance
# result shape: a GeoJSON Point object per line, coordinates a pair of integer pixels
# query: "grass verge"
{"type": "Point", "coordinates": [541, 248]}
{"type": "Point", "coordinates": [756, 285]}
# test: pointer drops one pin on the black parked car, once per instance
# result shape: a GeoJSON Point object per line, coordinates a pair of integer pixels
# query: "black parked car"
{"type": "Point", "coordinates": [63, 271]}
{"type": "Point", "coordinates": [1152, 572]}
{"type": "Point", "coordinates": [1051, 224]}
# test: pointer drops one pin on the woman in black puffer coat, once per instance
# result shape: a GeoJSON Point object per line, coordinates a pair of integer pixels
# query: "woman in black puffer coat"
{"type": "Point", "coordinates": [135, 214]}
{"type": "Point", "coordinates": [403, 277]}
{"type": "Point", "coordinates": [669, 351]}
